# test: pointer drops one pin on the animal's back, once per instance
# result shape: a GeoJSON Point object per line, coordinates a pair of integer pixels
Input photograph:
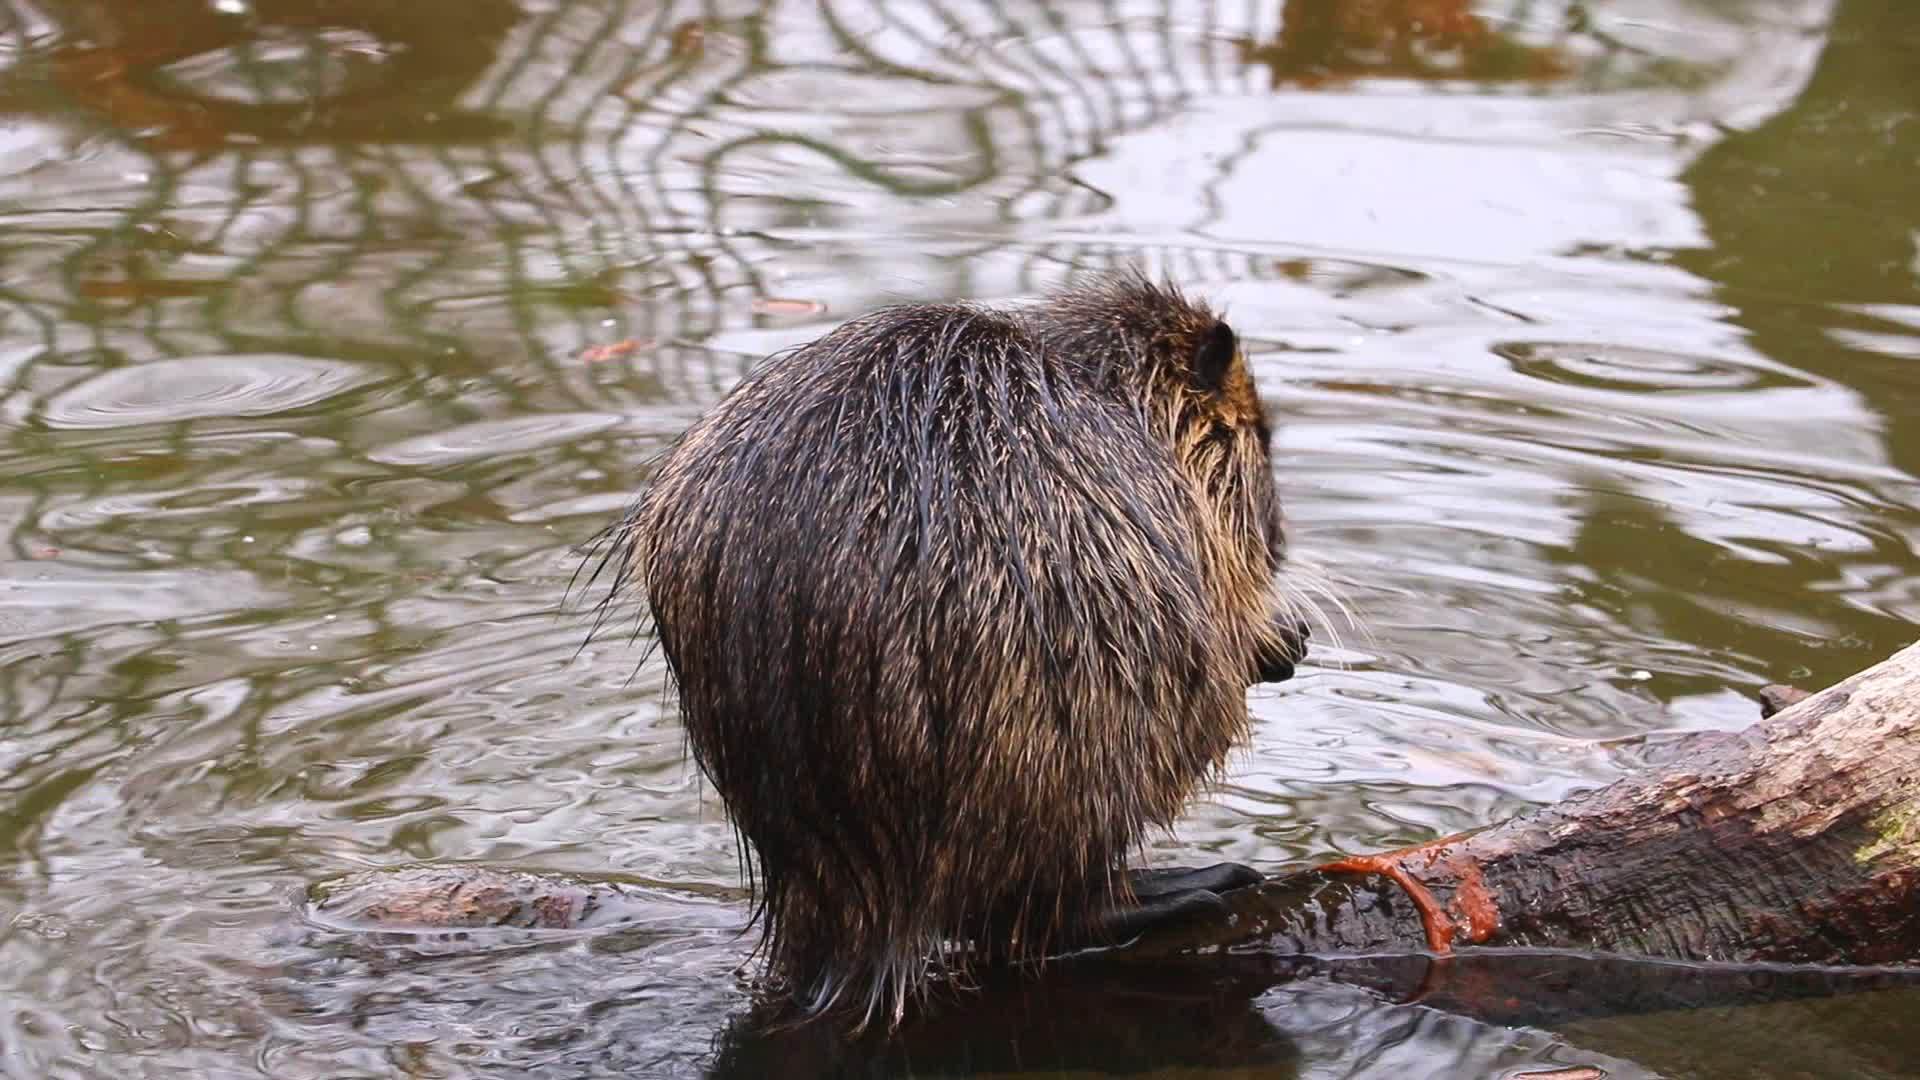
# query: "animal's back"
{"type": "Point", "coordinates": [923, 565]}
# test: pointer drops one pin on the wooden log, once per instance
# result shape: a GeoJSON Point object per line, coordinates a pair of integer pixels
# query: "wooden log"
{"type": "Point", "coordinates": [1796, 840]}
{"type": "Point", "coordinates": [455, 898]}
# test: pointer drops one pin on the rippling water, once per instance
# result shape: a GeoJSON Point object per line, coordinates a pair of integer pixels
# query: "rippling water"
{"type": "Point", "coordinates": [331, 329]}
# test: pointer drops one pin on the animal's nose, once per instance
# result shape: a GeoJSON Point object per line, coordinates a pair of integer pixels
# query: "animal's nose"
{"type": "Point", "coordinates": [1288, 648]}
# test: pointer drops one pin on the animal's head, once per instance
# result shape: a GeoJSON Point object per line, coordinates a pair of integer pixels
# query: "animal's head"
{"type": "Point", "coordinates": [1184, 366]}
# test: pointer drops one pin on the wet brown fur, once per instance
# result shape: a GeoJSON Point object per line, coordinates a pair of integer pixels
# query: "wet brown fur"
{"type": "Point", "coordinates": [959, 604]}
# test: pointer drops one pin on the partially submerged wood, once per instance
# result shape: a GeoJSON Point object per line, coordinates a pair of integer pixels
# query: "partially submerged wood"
{"type": "Point", "coordinates": [1796, 840]}
{"type": "Point", "coordinates": [443, 898]}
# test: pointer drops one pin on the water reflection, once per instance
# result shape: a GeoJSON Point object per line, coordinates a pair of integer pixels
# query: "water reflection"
{"type": "Point", "coordinates": [1327, 40]}
{"type": "Point", "coordinates": [178, 75]}
{"type": "Point", "coordinates": [1816, 250]}
{"type": "Point", "coordinates": [328, 330]}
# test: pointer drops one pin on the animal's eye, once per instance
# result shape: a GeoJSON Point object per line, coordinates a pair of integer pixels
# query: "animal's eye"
{"type": "Point", "coordinates": [1214, 357]}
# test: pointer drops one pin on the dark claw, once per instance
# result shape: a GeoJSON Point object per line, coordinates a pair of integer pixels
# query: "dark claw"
{"type": "Point", "coordinates": [1169, 909]}
{"type": "Point", "coordinates": [1290, 647]}
{"type": "Point", "coordinates": [1171, 896]}
{"type": "Point", "coordinates": [1217, 878]}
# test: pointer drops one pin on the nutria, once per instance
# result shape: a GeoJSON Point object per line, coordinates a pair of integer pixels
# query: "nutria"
{"type": "Point", "coordinates": [959, 603]}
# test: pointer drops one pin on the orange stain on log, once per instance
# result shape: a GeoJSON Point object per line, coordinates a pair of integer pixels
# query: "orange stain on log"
{"type": "Point", "coordinates": [1433, 918]}
{"type": "Point", "coordinates": [1472, 902]}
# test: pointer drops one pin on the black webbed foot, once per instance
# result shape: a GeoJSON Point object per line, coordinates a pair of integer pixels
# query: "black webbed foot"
{"type": "Point", "coordinates": [1169, 896]}
{"type": "Point", "coordinates": [1289, 648]}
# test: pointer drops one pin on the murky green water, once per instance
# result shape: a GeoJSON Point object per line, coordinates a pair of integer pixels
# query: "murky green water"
{"type": "Point", "coordinates": [331, 326]}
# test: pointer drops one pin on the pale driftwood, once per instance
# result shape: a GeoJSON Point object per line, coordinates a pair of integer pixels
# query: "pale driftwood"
{"type": "Point", "coordinates": [1796, 840]}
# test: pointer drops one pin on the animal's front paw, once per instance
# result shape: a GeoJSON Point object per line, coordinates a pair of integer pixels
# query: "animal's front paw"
{"type": "Point", "coordinates": [1170, 896]}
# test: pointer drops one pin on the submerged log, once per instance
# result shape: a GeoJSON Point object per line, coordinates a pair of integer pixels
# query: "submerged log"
{"type": "Point", "coordinates": [1796, 840]}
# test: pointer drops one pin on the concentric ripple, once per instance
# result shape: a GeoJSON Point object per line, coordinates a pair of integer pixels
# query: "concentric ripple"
{"type": "Point", "coordinates": [1633, 370]}
{"type": "Point", "coordinates": [201, 387]}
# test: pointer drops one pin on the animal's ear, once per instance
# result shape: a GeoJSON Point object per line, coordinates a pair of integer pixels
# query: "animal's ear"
{"type": "Point", "coordinates": [1214, 358]}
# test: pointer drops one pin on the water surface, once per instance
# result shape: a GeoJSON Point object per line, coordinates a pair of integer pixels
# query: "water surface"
{"type": "Point", "coordinates": [328, 331]}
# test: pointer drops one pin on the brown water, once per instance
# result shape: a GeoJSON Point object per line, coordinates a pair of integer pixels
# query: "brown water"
{"type": "Point", "coordinates": [330, 327]}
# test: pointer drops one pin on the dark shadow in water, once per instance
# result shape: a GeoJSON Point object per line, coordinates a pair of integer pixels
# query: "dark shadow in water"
{"type": "Point", "coordinates": [1084, 1019]}
{"type": "Point", "coordinates": [1246, 1012]}
{"type": "Point", "coordinates": [1677, 1019]}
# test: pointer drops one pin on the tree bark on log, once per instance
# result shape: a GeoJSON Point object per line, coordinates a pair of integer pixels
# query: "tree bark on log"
{"type": "Point", "coordinates": [1796, 840]}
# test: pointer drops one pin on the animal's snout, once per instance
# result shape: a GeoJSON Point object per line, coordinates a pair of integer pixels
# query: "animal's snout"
{"type": "Point", "coordinates": [1287, 647]}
